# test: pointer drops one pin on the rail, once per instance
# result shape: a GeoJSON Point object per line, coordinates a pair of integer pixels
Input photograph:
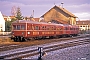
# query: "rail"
{"type": "Point", "coordinates": [31, 52]}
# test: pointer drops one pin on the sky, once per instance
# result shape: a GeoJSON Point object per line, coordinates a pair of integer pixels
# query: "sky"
{"type": "Point", "coordinates": [80, 8]}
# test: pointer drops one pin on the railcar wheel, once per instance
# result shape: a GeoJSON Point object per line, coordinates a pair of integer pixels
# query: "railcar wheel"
{"type": "Point", "coordinates": [44, 37]}
{"type": "Point", "coordinates": [71, 36]}
{"type": "Point", "coordinates": [51, 37]}
{"type": "Point", "coordinates": [60, 36]}
{"type": "Point", "coordinates": [14, 39]}
{"type": "Point", "coordinates": [17, 39]}
{"type": "Point", "coordinates": [23, 39]}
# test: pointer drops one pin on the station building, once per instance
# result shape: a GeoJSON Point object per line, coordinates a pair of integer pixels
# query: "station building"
{"type": "Point", "coordinates": [58, 15]}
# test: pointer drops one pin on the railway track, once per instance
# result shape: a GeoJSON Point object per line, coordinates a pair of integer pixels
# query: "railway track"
{"type": "Point", "coordinates": [6, 47]}
{"type": "Point", "coordinates": [10, 47]}
{"type": "Point", "coordinates": [31, 51]}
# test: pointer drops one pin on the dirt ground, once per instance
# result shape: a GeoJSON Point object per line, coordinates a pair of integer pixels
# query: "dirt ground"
{"type": "Point", "coordinates": [6, 41]}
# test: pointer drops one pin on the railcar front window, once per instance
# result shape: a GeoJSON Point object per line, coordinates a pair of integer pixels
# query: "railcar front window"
{"type": "Point", "coordinates": [18, 27]}
{"type": "Point", "coordinates": [14, 27]}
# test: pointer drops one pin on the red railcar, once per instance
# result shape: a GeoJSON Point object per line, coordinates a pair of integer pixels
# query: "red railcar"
{"type": "Point", "coordinates": [23, 30]}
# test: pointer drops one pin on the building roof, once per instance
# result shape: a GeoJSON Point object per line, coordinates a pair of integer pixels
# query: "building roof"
{"type": "Point", "coordinates": [63, 9]}
{"type": "Point", "coordinates": [85, 22]}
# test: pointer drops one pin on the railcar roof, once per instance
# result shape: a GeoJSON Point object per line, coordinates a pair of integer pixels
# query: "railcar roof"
{"type": "Point", "coordinates": [28, 21]}
{"type": "Point", "coordinates": [34, 22]}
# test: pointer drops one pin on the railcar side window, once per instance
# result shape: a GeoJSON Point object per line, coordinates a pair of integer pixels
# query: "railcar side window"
{"type": "Point", "coordinates": [60, 28]}
{"type": "Point", "coordinates": [52, 27]}
{"type": "Point", "coordinates": [43, 28]}
{"type": "Point", "coordinates": [36, 27]}
{"type": "Point", "coordinates": [70, 28]}
{"type": "Point", "coordinates": [18, 27]}
{"type": "Point", "coordinates": [22, 27]}
{"type": "Point", "coordinates": [66, 28]}
{"type": "Point", "coordinates": [47, 28]}
{"type": "Point", "coordinates": [30, 27]}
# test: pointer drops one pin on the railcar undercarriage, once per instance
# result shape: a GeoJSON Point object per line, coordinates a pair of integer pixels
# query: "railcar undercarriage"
{"type": "Point", "coordinates": [22, 39]}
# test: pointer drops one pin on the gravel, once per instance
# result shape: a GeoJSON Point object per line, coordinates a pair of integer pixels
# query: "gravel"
{"type": "Point", "coordinates": [81, 52]}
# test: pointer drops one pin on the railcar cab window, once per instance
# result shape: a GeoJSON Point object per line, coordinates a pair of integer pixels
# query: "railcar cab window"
{"type": "Point", "coordinates": [14, 27]}
{"type": "Point", "coordinates": [18, 27]}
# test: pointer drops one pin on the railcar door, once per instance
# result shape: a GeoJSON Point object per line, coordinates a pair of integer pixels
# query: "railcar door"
{"type": "Point", "coordinates": [36, 30]}
{"type": "Point", "coordinates": [59, 29]}
{"type": "Point", "coordinates": [29, 30]}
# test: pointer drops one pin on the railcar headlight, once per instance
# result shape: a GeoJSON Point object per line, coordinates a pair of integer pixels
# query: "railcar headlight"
{"type": "Point", "coordinates": [28, 32]}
